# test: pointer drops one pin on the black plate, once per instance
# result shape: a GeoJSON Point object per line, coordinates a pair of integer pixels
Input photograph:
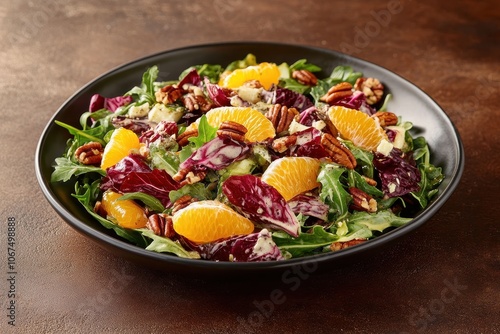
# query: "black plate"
{"type": "Point", "coordinates": [408, 101]}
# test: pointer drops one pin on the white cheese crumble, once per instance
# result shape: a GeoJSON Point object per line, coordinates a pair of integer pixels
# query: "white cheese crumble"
{"type": "Point", "coordinates": [161, 112]}
{"type": "Point", "coordinates": [139, 111]}
{"type": "Point", "coordinates": [384, 147]}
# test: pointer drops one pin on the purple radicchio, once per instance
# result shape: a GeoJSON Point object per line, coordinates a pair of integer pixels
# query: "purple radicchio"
{"type": "Point", "coordinates": [309, 116]}
{"type": "Point", "coordinates": [308, 144]}
{"type": "Point", "coordinates": [161, 132]}
{"type": "Point", "coordinates": [220, 96]}
{"type": "Point", "coordinates": [309, 205]}
{"type": "Point", "coordinates": [287, 97]}
{"type": "Point", "coordinates": [217, 154]}
{"type": "Point", "coordinates": [356, 101]}
{"type": "Point", "coordinates": [255, 247]}
{"type": "Point", "coordinates": [191, 78]}
{"type": "Point", "coordinates": [98, 102]}
{"type": "Point", "coordinates": [260, 203]}
{"type": "Point", "coordinates": [398, 172]}
{"type": "Point", "coordinates": [132, 174]}
{"type": "Point", "coordinates": [138, 126]}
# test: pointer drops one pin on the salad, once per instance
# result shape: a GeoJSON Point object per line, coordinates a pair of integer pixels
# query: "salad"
{"type": "Point", "coordinates": [248, 161]}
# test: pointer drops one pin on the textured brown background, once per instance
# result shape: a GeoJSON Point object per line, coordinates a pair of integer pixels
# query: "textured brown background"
{"type": "Point", "coordinates": [65, 284]}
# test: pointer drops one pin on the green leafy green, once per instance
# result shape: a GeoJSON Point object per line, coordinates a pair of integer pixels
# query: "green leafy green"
{"type": "Point", "coordinates": [357, 181]}
{"type": "Point", "coordinates": [206, 133]}
{"type": "Point", "coordinates": [65, 169]}
{"type": "Point", "coordinates": [344, 73]}
{"type": "Point", "coordinates": [294, 85]}
{"type": "Point", "coordinates": [332, 191]}
{"type": "Point", "coordinates": [305, 243]}
{"type": "Point", "coordinates": [302, 64]}
{"type": "Point", "coordinates": [150, 201]}
{"type": "Point", "coordinates": [146, 91]}
{"type": "Point", "coordinates": [84, 136]}
{"type": "Point", "coordinates": [249, 60]}
{"type": "Point", "coordinates": [212, 72]}
{"type": "Point", "coordinates": [195, 190]}
{"type": "Point", "coordinates": [165, 245]}
{"type": "Point", "coordinates": [163, 159]}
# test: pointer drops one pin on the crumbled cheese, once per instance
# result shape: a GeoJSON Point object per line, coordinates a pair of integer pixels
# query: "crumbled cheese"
{"type": "Point", "coordinates": [399, 139]}
{"type": "Point", "coordinates": [320, 125]}
{"type": "Point", "coordinates": [250, 94]}
{"type": "Point", "coordinates": [392, 187]}
{"type": "Point", "coordinates": [384, 147]}
{"type": "Point", "coordinates": [161, 112]}
{"type": "Point", "coordinates": [139, 111]}
{"type": "Point", "coordinates": [296, 127]}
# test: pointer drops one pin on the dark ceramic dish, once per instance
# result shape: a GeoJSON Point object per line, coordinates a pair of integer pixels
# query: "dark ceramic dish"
{"type": "Point", "coordinates": [408, 101]}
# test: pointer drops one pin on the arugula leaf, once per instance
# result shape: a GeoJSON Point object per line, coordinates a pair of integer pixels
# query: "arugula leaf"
{"type": "Point", "coordinates": [150, 201]}
{"type": "Point", "coordinates": [163, 159]}
{"type": "Point", "coordinates": [356, 180]}
{"type": "Point", "coordinates": [302, 64]}
{"type": "Point", "coordinates": [305, 243]}
{"type": "Point", "coordinates": [332, 191]}
{"type": "Point", "coordinates": [65, 169]}
{"type": "Point", "coordinates": [85, 136]}
{"type": "Point", "coordinates": [87, 193]}
{"type": "Point", "coordinates": [165, 245]}
{"type": "Point", "coordinates": [363, 158]}
{"type": "Point", "coordinates": [294, 85]}
{"type": "Point", "coordinates": [344, 73]}
{"type": "Point", "coordinates": [212, 72]}
{"type": "Point", "coordinates": [195, 190]}
{"type": "Point", "coordinates": [146, 91]}
{"type": "Point", "coordinates": [206, 133]}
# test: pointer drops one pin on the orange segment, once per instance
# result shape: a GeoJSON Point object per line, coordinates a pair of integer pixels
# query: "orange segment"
{"type": "Point", "coordinates": [207, 221]}
{"type": "Point", "coordinates": [121, 143]}
{"type": "Point", "coordinates": [364, 131]}
{"type": "Point", "coordinates": [292, 175]}
{"type": "Point", "coordinates": [266, 73]}
{"type": "Point", "coordinates": [258, 126]}
{"type": "Point", "coordinates": [127, 213]}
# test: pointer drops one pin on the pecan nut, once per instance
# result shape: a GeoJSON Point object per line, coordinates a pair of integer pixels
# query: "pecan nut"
{"type": "Point", "coordinates": [282, 144]}
{"type": "Point", "coordinates": [186, 176]}
{"type": "Point", "coordinates": [233, 130]}
{"type": "Point", "coordinates": [182, 202]}
{"type": "Point", "coordinates": [182, 139]}
{"type": "Point", "coordinates": [281, 117]}
{"type": "Point", "coordinates": [386, 118]}
{"type": "Point", "coordinates": [161, 224]}
{"type": "Point", "coordinates": [169, 94]}
{"type": "Point", "coordinates": [89, 153]}
{"type": "Point", "coordinates": [371, 87]}
{"type": "Point", "coordinates": [194, 102]}
{"type": "Point", "coordinates": [337, 92]}
{"type": "Point", "coordinates": [338, 152]}
{"type": "Point", "coordinates": [305, 77]}
{"type": "Point", "coordinates": [361, 201]}
{"type": "Point", "coordinates": [336, 246]}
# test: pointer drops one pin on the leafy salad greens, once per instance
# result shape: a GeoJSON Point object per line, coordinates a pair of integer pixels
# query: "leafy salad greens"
{"type": "Point", "coordinates": [350, 205]}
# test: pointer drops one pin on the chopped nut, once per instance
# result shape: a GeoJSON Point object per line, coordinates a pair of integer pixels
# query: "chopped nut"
{"type": "Point", "coordinates": [161, 224]}
{"type": "Point", "coordinates": [194, 102]}
{"type": "Point", "coordinates": [337, 92]}
{"type": "Point", "coordinates": [336, 246]}
{"type": "Point", "coordinates": [281, 117]}
{"type": "Point", "coordinates": [168, 94]}
{"type": "Point", "coordinates": [186, 176]}
{"type": "Point", "coordinates": [182, 202]}
{"type": "Point", "coordinates": [386, 118]}
{"type": "Point", "coordinates": [305, 77]}
{"type": "Point", "coordinates": [282, 144]}
{"type": "Point", "coordinates": [182, 139]}
{"type": "Point", "coordinates": [361, 201]}
{"type": "Point", "coordinates": [338, 152]}
{"type": "Point", "coordinates": [372, 88]}
{"type": "Point", "coordinates": [89, 153]}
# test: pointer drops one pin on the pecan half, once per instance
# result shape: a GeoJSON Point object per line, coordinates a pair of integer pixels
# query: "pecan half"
{"type": "Point", "coordinates": [337, 92]}
{"type": "Point", "coordinates": [168, 94]}
{"type": "Point", "coordinates": [161, 224]}
{"type": "Point", "coordinates": [186, 176]}
{"type": "Point", "coordinates": [336, 246]}
{"type": "Point", "coordinates": [232, 130]}
{"type": "Point", "coordinates": [386, 118]}
{"type": "Point", "coordinates": [182, 202]}
{"type": "Point", "coordinates": [338, 152]}
{"type": "Point", "coordinates": [361, 201]}
{"type": "Point", "coordinates": [305, 77]}
{"type": "Point", "coordinates": [281, 117]}
{"type": "Point", "coordinates": [370, 181]}
{"type": "Point", "coordinates": [89, 153]}
{"type": "Point", "coordinates": [182, 139]}
{"type": "Point", "coordinates": [194, 102]}
{"type": "Point", "coordinates": [282, 144]}
{"type": "Point", "coordinates": [371, 87]}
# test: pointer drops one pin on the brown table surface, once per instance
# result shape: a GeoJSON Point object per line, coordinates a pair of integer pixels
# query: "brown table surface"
{"type": "Point", "coordinates": [443, 278]}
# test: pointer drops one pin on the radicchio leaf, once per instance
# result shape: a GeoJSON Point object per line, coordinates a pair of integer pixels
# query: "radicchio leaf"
{"type": "Point", "coordinates": [138, 126]}
{"type": "Point", "coordinates": [291, 99]}
{"type": "Point", "coordinates": [217, 94]}
{"type": "Point", "coordinates": [255, 247]}
{"type": "Point", "coordinates": [98, 102]}
{"type": "Point", "coordinates": [132, 174]}
{"type": "Point", "coordinates": [261, 203]}
{"type": "Point", "coordinates": [398, 172]}
{"type": "Point", "coordinates": [309, 205]}
{"type": "Point", "coordinates": [217, 154]}
{"type": "Point", "coordinates": [308, 144]}
{"type": "Point", "coordinates": [161, 131]}
{"type": "Point", "coordinates": [309, 116]}
{"type": "Point", "coordinates": [192, 77]}
{"type": "Point", "coordinates": [356, 101]}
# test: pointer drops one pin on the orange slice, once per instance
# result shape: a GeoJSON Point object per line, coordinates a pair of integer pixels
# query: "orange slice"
{"type": "Point", "coordinates": [258, 126]}
{"type": "Point", "coordinates": [121, 143]}
{"type": "Point", "coordinates": [127, 213]}
{"type": "Point", "coordinates": [207, 221]}
{"type": "Point", "coordinates": [292, 175]}
{"type": "Point", "coordinates": [364, 131]}
{"type": "Point", "coordinates": [266, 73]}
